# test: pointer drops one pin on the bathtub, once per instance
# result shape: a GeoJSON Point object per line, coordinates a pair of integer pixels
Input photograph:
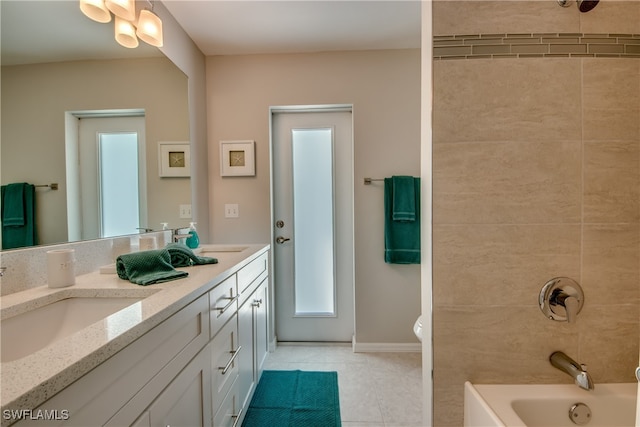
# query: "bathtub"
{"type": "Point", "coordinates": [547, 405]}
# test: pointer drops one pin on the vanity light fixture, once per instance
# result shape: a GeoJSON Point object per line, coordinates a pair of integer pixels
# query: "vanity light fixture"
{"type": "Point", "coordinates": [125, 33]}
{"type": "Point", "coordinates": [125, 9]}
{"type": "Point", "coordinates": [96, 10]}
{"type": "Point", "coordinates": [148, 28]}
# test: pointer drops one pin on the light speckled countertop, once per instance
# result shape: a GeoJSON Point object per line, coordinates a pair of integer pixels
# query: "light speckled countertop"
{"type": "Point", "coordinates": [28, 382]}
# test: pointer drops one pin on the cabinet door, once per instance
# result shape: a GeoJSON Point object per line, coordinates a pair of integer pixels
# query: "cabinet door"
{"type": "Point", "coordinates": [246, 376]}
{"type": "Point", "coordinates": [187, 399]}
{"type": "Point", "coordinates": [261, 304]}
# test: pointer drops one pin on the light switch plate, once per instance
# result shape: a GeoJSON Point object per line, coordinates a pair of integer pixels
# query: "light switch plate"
{"type": "Point", "coordinates": [185, 211]}
{"type": "Point", "coordinates": [231, 210]}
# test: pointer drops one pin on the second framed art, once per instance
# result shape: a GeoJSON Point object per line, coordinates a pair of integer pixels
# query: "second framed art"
{"type": "Point", "coordinates": [237, 158]}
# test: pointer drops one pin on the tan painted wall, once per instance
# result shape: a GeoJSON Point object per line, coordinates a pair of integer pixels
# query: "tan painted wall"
{"type": "Point", "coordinates": [384, 88]}
{"type": "Point", "coordinates": [536, 175]}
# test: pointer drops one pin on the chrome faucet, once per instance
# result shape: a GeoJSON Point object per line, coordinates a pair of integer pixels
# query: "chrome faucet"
{"type": "Point", "coordinates": [176, 236]}
{"type": "Point", "coordinates": [578, 371]}
{"type": "Point", "coordinates": [2, 270]}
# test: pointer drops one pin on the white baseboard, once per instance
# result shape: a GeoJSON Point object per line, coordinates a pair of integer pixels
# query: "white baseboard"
{"type": "Point", "coordinates": [358, 347]}
{"type": "Point", "coordinates": [372, 347]}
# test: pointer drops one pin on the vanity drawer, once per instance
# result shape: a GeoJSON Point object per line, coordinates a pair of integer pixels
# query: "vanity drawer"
{"type": "Point", "coordinates": [249, 274]}
{"type": "Point", "coordinates": [223, 303]}
{"type": "Point", "coordinates": [230, 410]}
{"type": "Point", "coordinates": [225, 349]}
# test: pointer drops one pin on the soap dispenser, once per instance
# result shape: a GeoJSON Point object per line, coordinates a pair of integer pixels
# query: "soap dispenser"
{"type": "Point", "coordinates": [193, 240]}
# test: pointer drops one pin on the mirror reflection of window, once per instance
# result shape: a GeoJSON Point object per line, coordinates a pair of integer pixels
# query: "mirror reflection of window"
{"type": "Point", "coordinates": [118, 166]}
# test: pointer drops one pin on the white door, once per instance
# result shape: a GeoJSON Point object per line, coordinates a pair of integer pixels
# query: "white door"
{"type": "Point", "coordinates": [312, 167]}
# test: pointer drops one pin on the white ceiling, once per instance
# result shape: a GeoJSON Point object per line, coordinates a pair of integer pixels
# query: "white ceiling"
{"type": "Point", "coordinates": [56, 30]}
{"type": "Point", "coordinates": [247, 27]}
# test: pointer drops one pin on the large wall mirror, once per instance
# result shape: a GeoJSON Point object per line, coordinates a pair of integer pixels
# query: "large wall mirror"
{"type": "Point", "coordinates": [61, 69]}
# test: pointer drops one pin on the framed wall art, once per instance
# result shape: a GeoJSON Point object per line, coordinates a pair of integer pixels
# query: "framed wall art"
{"type": "Point", "coordinates": [237, 158]}
{"type": "Point", "coordinates": [174, 159]}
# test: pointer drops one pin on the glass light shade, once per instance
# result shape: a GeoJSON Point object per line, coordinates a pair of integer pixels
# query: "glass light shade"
{"type": "Point", "coordinates": [96, 10]}
{"type": "Point", "coordinates": [125, 33]}
{"type": "Point", "coordinates": [125, 9]}
{"type": "Point", "coordinates": [150, 28]}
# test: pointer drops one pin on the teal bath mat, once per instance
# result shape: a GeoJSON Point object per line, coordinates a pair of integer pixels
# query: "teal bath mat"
{"type": "Point", "coordinates": [295, 399]}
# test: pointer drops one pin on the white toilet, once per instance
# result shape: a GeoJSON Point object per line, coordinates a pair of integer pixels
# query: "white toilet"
{"type": "Point", "coordinates": [417, 328]}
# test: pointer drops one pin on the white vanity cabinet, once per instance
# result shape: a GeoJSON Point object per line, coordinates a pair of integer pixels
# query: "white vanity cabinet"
{"type": "Point", "coordinates": [198, 367]}
{"type": "Point", "coordinates": [252, 326]}
{"type": "Point", "coordinates": [117, 391]}
{"type": "Point", "coordinates": [187, 399]}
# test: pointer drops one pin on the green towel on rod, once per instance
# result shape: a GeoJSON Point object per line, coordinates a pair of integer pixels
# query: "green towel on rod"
{"type": "Point", "coordinates": [147, 267]}
{"type": "Point", "coordinates": [18, 215]}
{"type": "Point", "coordinates": [401, 237]}
{"type": "Point", "coordinates": [403, 198]}
{"type": "Point", "coordinates": [13, 201]}
{"type": "Point", "coordinates": [183, 256]}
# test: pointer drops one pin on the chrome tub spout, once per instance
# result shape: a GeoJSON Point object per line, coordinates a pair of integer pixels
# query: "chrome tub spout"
{"type": "Point", "coordinates": [577, 371]}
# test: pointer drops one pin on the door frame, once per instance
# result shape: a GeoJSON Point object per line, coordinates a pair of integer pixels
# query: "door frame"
{"type": "Point", "coordinates": [319, 108]}
{"type": "Point", "coordinates": [73, 172]}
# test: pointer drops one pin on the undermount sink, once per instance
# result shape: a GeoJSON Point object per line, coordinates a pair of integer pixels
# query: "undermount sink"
{"type": "Point", "coordinates": [220, 248]}
{"type": "Point", "coordinates": [33, 330]}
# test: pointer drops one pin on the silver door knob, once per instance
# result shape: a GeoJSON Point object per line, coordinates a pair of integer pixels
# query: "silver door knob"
{"type": "Point", "coordinates": [280, 240]}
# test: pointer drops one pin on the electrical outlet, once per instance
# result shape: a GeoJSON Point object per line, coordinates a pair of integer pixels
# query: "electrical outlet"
{"type": "Point", "coordinates": [185, 211]}
{"type": "Point", "coordinates": [231, 210]}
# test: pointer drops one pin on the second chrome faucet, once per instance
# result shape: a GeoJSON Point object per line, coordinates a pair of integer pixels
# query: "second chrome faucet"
{"type": "Point", "coordinates": [577, 371]}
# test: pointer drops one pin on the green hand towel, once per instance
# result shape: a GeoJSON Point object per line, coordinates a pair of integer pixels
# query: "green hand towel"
{"type": "Point", "coordinates": [13, 201]}
{"type": "Point", "coordinates": [182, 256]}
{"type": "Point", "coordinates": [401, 238]}
{"type": "Point", "coordinates": [404, 198]}
{"type": "Point", "coordinates": [18, 214]}
{"type": "Point", "coordinates": [147, 267]}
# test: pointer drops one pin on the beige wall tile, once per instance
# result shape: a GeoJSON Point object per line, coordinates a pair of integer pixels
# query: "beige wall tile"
{"type": "Point", "coordinates": [610, 265]}
{"type": "Point", "coordinates": [609, 337]}
{"type": "Point", "coordinates": [501, 344]}
{"type": "Point", "coordinates": [472, 17]}
{"type": "Point", "coordinates": [448, 410]}
{"type": "Point", "coordinates": [612, 16]}
{"type": "Point", "coordinates": [611, 84]}
{"type": "Point", "coordinates": [510, 100]}
{"type": "Point", "coordinates": [610, 124]}
{"type": "Point", "coordinates": [486, 264]}
{"type": "Point", "coordinates": [612, 181]}
{"type": "Point", "coordinates": [611, 99]}
{"type": "Point", "coordinates": [534, 182]}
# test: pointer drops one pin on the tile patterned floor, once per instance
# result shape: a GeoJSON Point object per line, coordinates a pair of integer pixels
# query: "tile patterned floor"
{"type": "Point", "coordinates": [376, 389]}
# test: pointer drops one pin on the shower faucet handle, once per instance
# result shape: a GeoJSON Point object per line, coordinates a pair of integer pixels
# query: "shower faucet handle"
{"type": "Point", "coordinates": [561, 299]}
{"type": "Point", "coordinates": [571, 308]}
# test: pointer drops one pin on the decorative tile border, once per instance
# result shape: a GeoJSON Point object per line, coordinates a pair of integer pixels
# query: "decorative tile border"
{"type": "Point", "coordinates": [554, 45]}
